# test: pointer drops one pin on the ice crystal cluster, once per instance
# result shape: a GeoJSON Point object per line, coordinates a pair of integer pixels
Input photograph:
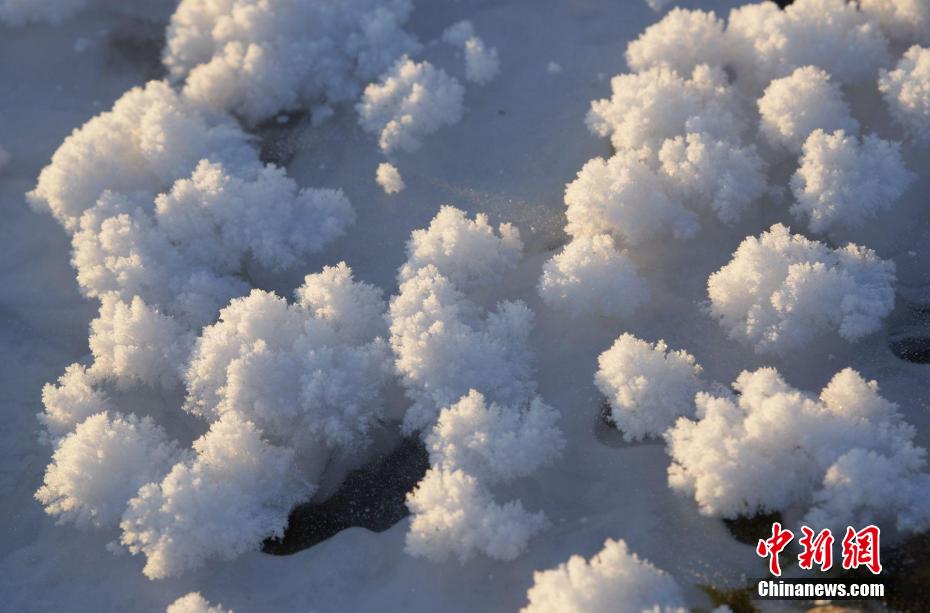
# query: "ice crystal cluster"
{"type": "Point", "coordinates": [810, 117]}
{"type": "Point", "coordinates": [615, 579]}
{"type": "Point", "coordinates": [171, 214]}
{"type": "Point", "coordinates": [469, 374]}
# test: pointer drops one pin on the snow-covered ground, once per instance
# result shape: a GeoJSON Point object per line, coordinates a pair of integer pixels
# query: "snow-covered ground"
{"type": "Point", "coordinates": [521, 138]}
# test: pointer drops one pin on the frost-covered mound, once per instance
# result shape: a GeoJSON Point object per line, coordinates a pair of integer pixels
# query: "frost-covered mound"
{"type": "Point", "coordinates": [615, 579]}
{"type": "Point", "coordinates": [168, 208]}
{"type": "Point", "coordinates": [806, 100]}
{"type": "Point", "coordinates": [906, 90]}
{"type": "Point", "coordinates": [474, 446]}
{"type": "Point", "coordinates": [389, 178]}
{"type": "Point", "coordinates": [412, 99]}
{"type": "Point", "coordinates": [195, 603]}
{"type": "Point", "coordinates": [257, 58]}
{"type": "Point", "coordinates": [672, 41]}
{"type": "Point", "coordinates": [846, 455]}
{"type": "Point", "coordinates": [648, 107]}
{"type": "Point", "coordinates": [781, 291]}
{"type": "Point", "coordinates": [467, 252]}
{"type": "Point", "coordinates": [469, 375]}
{"type": "Point", "coordinates": [590, 277]}
{"type": "Point", "coordinates": [622, 196]}
{"type": "Point", "coordinates": [845, 181]}
{"type": "Point", "coordinates": [100, 465]}
{"type": "Point", "coordinates": [712, 174]}
{"type": "Point", "coordinates": [444, 344]}
{"type": "Point", "coordinates": [647, 386]}
{"type": "Point", "coordinates": [234, 491]}
{"type": "Point", "coordinates": [307, 374]}
{"type": "Point", "coordinates": [768, 43]}
{"type": "Point", "coordinates": [149, 139]}
{"type": "Point", "coordinates": [290, 391]}
{"type": "Point", "coordinates": [167, 205]}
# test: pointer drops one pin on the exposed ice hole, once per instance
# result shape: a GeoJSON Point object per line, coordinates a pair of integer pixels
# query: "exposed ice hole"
{"type": "Point", "coordinates": [280, 137]}
{"type": "Point", "coordinates": [909, 338]}
{"type": "Point", "coordinates": [914, 349]}
{"type": "Point", "coordinates": [371, 497]}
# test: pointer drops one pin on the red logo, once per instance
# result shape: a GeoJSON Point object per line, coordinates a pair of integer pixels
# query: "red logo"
{"type": "Point", "coordinates": [859, 548]}
{"type": "Point", "coordinates": [817, 550]}
{"type": "Point", "coordinates": [773, 546]}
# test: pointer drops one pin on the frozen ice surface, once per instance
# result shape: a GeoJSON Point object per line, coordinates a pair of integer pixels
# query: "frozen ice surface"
{"type": "Point", "coordinates": [520, 141]}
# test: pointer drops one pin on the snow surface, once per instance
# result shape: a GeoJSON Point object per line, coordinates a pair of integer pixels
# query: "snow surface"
{"type": "Point", "coordinates": [520, 141]}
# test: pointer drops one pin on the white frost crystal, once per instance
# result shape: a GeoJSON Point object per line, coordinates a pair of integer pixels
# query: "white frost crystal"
{"type": "Point", "coordinates": [781, 291]}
